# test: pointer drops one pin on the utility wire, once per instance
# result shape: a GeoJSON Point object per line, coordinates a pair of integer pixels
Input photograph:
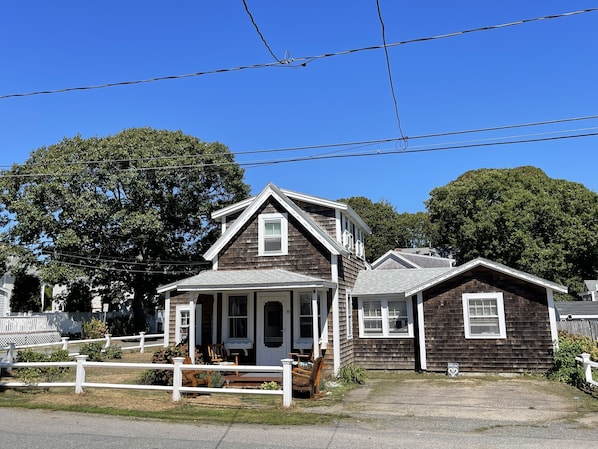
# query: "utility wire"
{"type": "Point", "coordinates": [260, 33]}
{"type": "Point", "coordinates": [392, 87]}
{"type": "Point", "coordinates": [296, 62]}
{"type": "Point", "coordinates": [339, 144]}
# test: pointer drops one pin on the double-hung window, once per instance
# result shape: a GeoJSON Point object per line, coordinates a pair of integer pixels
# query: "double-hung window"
{"type": "Point", "coordinates": [182, 323]}
{"type": "Point", "coordinates": [237, 317]}
{"type": "Point", "coordinates": [484, 315]}
{"type": "Point", "coordinates": [385, 317]}
{"type": "Point", "coordinates": [273, 234]}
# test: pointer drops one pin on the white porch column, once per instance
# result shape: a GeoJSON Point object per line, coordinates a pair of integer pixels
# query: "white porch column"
{"type": "Point", "coordinates": [214, 318]}
{"type": "Point", "coordinates": [314, 314]}
{"type": "Point", "coordinates": [421, 332]}
{"type": "Point", "coordinates": [166, 319]}
{"type": "Point", "coordinates": [191, 340]}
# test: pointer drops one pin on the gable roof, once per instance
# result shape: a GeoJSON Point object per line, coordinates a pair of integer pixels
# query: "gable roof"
{"type": "Point", "coordinates": [229, 280]}
{"type": "Point", "coordinates": [411, 260]}
{"type": "Point", "coordinates": [252, 205]}
{"type": "Point", "coordinates": [591, 285]}
{"type": "Point", "coordinates": [412, 281]}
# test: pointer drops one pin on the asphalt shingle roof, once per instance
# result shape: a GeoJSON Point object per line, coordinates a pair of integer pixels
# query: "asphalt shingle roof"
{"type": "Point", "coordinates": [379, 282]}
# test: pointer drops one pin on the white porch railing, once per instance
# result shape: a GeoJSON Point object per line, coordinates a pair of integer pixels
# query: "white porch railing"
{"type": "Point", "coordinates": [177, 388]}
{"type": "Point", "coordinates": [584, 359]}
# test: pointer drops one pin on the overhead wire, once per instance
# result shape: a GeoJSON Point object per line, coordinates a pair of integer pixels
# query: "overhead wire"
{"type": "Point", "coordinates": [257, 29]}
{"type": "Point", "coordinates": [333, 145]}
{"type": "Point", "coordinates": [298, 62]}
{"type": "Point", "coordinates": [392, 88]}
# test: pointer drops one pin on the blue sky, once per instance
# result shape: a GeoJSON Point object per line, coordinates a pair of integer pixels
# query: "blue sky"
{"type": "Point", "coordinates": [539, 71]}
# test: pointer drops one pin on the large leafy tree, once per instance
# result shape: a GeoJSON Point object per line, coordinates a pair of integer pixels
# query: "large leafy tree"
{"type": "Point", "coordinates": [522, 218]}
{"type": "Point", "coordinates": [390, 229]}
{"type": "Point", "coordinates": [127, 212]}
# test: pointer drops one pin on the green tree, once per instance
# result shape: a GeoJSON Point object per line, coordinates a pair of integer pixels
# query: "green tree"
{"type": "Point", "coordinates": [522, 218]}
{"type": "Point", "coordinates": [127, 212]}
{"type": "Point", "coordinates": [390, 230]}
{"type": "Point", "coordinates": [26, 293]}
{"type": "Point", "coordinates": [77, 297]}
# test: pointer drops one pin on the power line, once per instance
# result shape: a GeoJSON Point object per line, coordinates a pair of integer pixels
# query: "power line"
{"type": "Point", "coordinates": [392, 88]}
{"type": "Point", "coordinates": [298, 62]}
{"type": "Point", "coordinates": [260, 33]}
{"type": "Point", "coordinates": [332, 145]}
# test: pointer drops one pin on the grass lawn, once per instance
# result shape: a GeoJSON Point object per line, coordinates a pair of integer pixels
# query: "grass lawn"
{"type": "Point", "coordinates": [218, 407]}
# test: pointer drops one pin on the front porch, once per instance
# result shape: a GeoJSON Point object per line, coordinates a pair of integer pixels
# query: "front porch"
{"type": "Point", "coordinates": [260, 315]}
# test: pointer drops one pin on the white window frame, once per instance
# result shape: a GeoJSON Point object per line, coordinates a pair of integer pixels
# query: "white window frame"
{"type": "Point", "coordinates": [298, 341]}
{"type": "Point", "coordinates": [284, 234]}
{"type": "Point", "coordinates": [180, 308]}
{"type": "Point", "coordinates": [384, 300]}
{"type": "Point", "coordinates": [349, 313]}
{"type": "Point", "coordinates": [498, 297]}
{"type": "Point", "coordinates": [237, 343]}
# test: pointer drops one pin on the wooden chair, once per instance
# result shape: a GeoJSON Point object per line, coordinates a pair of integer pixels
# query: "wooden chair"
{"type": "Point", "coordinates": [305, 380]}
{"type": "Point", "coordinates": [219, 355]}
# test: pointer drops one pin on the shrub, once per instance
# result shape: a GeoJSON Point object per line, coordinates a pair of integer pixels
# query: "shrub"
{"type": "Point", "coordinates": [94, 328]}
{"type": "Point", "coordinates": [565, 368]}
{"type": "Point", "coordinates": [352, 374]}
{"type": "Point", "coordinates": [114, 352]}
{"type": "Point", "coordinates": [93, 351]}
{"type": "Point", "coordinates": [270, 386]}
{"type": "Point", "coordinates": [167, 355]}
{"type": "Point", "coordinates": [33, 376]}
{"type": "Point", "coordinates": [121, 325]}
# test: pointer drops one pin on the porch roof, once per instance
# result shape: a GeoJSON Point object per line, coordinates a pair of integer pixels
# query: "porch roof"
{"type": "Point", "coordinates": [227, 280]}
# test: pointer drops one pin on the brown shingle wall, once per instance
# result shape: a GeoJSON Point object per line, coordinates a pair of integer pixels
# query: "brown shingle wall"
{"type": "Point", "coordinates": [528, 346]}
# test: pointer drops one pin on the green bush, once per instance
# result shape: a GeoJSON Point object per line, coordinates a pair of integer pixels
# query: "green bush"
{"type": "Point", "coordinates": [93, 351]}
{"type": "Point", "coordinates": [94, 328]}
{"type": "Point", "coordinates": [352, 374]}
{"type": "Point", "coordinates": [121, 325]}
{"type": "Point", "coordinates": [33, 376]}
{"type": "Point", "coordinates": [114, 352]}
{"type": "Point", "coordinates": [565, 368]}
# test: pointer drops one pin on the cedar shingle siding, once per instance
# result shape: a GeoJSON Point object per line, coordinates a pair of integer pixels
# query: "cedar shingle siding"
{"type": "Point", "coordinates": [528, 346]}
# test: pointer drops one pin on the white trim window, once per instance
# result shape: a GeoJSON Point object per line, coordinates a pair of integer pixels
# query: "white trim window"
{"type": "Point", "coordinates": [385, 317]}
{"type": "Point", "coordinates": [237, 317]}
{"type": "Point", "coordinates": [273, 234]}
{"type": "Point", "coordinates": [484, 315]}
{"type": "Point", "coordinates": [182, 323]}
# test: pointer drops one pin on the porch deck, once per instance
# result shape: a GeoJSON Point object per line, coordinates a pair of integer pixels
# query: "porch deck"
{"type": "Point", "coordinates": [250, 380]}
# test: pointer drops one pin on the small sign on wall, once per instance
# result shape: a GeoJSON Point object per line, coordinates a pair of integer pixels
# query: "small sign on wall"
{"type": "Point", "coordinates": [452, 369]}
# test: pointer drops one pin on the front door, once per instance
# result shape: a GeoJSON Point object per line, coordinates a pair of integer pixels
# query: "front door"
{"type": "Point", "coordinates": [273, 328]}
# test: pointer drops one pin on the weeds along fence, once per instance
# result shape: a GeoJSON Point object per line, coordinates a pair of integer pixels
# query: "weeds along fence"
{"type": "Point", "coordinates": [81, 364]}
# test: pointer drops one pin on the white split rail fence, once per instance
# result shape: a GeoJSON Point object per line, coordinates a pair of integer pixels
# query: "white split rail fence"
{"type": "Point", "coordinates": [177, 387]}
{"type": "Point", "coordinates": [588, 364]}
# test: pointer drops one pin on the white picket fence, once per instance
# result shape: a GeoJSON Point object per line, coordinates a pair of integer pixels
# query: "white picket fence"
{"type": "Point", "coordinates": [177, 387]}
{"type": "Point", "coordinates": [584, 359]}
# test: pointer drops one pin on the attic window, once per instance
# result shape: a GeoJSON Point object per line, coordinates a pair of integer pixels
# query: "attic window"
{"type": "Point", "coordinates": [484, 315]}
{"type": "Point", "coordinates": [273, 235]}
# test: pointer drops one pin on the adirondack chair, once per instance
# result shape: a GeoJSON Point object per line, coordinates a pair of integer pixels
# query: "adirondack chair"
{"type": "Point", "coordinates": [219, 355]}
{"type": "Point", "coordinates": [308, 380]}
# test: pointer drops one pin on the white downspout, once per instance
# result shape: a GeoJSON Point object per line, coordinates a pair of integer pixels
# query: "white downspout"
{"type": "Point", "coordinates": [421, 333]}
{"type": "Point", "coordinates": [554, 334]}
{"type": "Point", "coordinates": [191, 341]}
{"type": "Point", "coordinates": [166, 319]}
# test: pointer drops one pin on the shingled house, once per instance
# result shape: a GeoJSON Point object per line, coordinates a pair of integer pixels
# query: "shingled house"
{"type": "Point", "coordinates": [289, 273]}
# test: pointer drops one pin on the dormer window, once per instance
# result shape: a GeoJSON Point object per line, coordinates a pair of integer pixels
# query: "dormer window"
{"type": "Point", "coordinates": [273, 235]}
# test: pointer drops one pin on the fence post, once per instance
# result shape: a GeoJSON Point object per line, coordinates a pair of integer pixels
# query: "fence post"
{"type": "Point", "coordinates": [65, 343]}
{"type": "Point", "coordinates": [80, 376]}
{"type": "Point", "coordinates": [10, 354]}
{"type": "Point", "coordinates": [142, 342]}
{"type": "Point", "coordinates": [587, 369]}
{"type": "Point", "coordinates": [177, 379]}
{"type": "Point", "coordinates": [287, 382]}
{"type": "Point", "coordinates": [108, 342]}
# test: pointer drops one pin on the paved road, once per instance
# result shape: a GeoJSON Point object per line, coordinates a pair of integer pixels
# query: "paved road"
{"type": "Point", "coordinates": [409, 414]}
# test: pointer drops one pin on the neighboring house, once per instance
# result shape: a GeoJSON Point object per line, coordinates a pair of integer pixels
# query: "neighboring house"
{"type": "Point", "coordinates": [590, 292]}
{"type": "Point", "coordinates": [8, 282]}
{"type": "Point", "coordinates": [577, 310]}
{"type": "Point", "coordinates": [411, 258]}
{"type": "Point", "coordinates": [289, 272]}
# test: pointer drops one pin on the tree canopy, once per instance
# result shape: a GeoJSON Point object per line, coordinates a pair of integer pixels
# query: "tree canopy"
{"type": "Point", "coordinates": [522, 218]}
{"type": "Point", "coordinates": [128, 211]}
{"type": "Point", "coordinates": [390, 230]}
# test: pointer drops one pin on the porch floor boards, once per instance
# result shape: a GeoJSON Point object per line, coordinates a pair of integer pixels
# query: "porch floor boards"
{"type": "Point", "coordinates": [249, 381]}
